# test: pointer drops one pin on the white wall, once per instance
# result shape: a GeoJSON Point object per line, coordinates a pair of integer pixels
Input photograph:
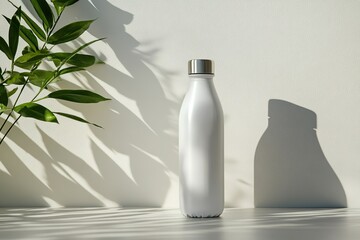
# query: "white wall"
{"type": "Point", "coordinates": [303, 52]}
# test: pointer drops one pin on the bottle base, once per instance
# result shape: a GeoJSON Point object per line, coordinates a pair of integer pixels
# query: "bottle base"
{"type": "Point", "coordinates": [202, 216]}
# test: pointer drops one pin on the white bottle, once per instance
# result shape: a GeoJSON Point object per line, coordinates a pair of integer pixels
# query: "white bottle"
{"type": "Point", "coordinates": [201, 145]}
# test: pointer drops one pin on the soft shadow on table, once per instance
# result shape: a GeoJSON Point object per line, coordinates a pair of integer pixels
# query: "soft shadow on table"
{"type": "Point", "coordinates": [141, 224]}
{"type": "Point", "coordinates": [144, 133]}
{"type": "Point", "coordinates": [291, 169]}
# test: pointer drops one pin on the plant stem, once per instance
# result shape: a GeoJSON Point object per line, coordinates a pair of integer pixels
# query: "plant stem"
{"type": "Point", "coordinates": [8, 116]}
{"type": "Point", "coordinates": [16, 100]}
{"type": "Point", "coordinates": [11, 111]}
{"type": "Point", "coordinates": [53, 28]}
{"type": "Point", "coordinates": [26, 82]}
{"type": "Point", "coordinates": [12, 66]}
{"type": "Point", "coordinates": [39, 99]}
{"type": "Point", "coordinates": [12, 125]}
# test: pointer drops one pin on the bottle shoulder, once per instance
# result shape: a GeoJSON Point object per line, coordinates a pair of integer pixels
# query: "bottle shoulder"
{"type": "Point", "coordinates": [202, 94]}
{"type": "Point", "coordinates": [201, 99]}
{"type": "Point", "coordinates": [195, 101]}
{"type": "Point", "coordinates": [204, 111]}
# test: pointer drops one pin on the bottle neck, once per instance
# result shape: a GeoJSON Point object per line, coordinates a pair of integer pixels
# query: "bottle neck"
{"type": "Point", "coordinates": [202, 83]}
{"type": "Point", "coordinates": [201, 79]}
{"type": "Point", "coordinates": [201, 76]}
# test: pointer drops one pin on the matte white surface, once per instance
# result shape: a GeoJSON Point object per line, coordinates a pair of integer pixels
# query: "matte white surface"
{"type": "Point", "coordinates": [201, 149]}
{"type": "Point", "coordinates": [303, 52]}
{"type": "Point", "coordinates": [138, 224]}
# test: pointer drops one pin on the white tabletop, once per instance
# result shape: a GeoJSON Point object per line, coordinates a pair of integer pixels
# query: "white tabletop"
{"type": "Point", "coordinates": [150, 223]}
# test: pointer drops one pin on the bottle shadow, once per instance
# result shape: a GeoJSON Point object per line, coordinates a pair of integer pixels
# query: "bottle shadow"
{"type": "Point", "coordinates": [290, 167]}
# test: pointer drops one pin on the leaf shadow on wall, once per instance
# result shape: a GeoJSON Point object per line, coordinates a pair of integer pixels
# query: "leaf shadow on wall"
{"type": "Point", "coordinates": [20, 187]}
{"type": "Point", "coordinates": [147, 137]}
{"type": "Point", "coordinates": [291, 169]}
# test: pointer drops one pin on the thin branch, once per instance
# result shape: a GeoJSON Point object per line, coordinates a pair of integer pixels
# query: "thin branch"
{"type": "Point", "coordinates": [26, 82]}
{"type": "Point", "coordinates": [7, 132]}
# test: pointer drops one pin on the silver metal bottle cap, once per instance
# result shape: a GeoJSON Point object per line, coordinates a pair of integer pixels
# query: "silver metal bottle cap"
{"type": "Point", "coordinates": [200, 66]}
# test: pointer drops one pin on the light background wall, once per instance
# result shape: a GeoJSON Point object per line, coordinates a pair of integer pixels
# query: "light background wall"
{"type": "Point", "coordinates": [304, 52]}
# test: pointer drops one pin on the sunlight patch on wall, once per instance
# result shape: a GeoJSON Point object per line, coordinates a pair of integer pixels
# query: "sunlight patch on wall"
{"type": "Point", "coordinates": [84, 184]}
{"type": "Point", "coordinates": [122, 160]}
{"type": "Point", "coordinates": [172, 196]}
{"type": "Point", "coordinates": [4, 169]}
{"type": "Point", "coordinates": [51, 202]}
{"type": "Point", "coordinates": [128, 103]}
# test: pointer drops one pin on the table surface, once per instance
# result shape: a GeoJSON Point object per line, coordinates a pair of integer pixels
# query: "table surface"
{"type": "Point", "coordinates": [151, 223]}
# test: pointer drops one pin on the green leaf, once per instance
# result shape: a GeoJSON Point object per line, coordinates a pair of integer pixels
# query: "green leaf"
{"type": "Point", "coordinates": [76, 118]}
{"type": "Point", "coordinates": [70, 70]}
{"type": "Point", "coordinates": [14, 33]}
{"type": "Point", "coordinates": [29, 59]}
{"type": "Point", "coordinates": [37, 111]}
{"type": "Point", "coordinates": [44, 12]}
{"type": "Point", "coordinates": [5, 48]}
{"type": "Point", "coordinates": [78, 50]}
{"type": "Point", "coordinates": [3, 108]}
{"type": "Point", "coordinates": [69, 32]}
{"type": "Point", "coordinates": [12, 92]}
{"type": "Point", "coordinates": [3, 99]}
{"type": "Point", "coordinates": [40, 77]}
{"type": "Point", "coordinates": [59, 9]}
{"type": "Point", "coordinates": [79, 60]}
{"type": "Point", "coordinates": [79, 96]}
{"type": "Point", "coordinates": [27, 49]}
{"type": "Point", "coordinates": [16, 78]}
{"type": "Point", "coordinates": [29, 37]}
{"type": "Point", "coordinates": [64, 3]}
{"type": "Point", "coordinates": [61, 4]}
{"type": "Point", "coordinates": [3, 95]}
{"type": "Point", "coordinates": [34, 27]}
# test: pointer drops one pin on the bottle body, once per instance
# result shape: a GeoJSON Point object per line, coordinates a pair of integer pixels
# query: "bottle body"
{"type": "Point", "coordinates": [201, 150]}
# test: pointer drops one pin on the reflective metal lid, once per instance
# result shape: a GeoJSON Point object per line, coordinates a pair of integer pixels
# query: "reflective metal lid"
{"type": "Point", "coordinates": [200, 66]}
